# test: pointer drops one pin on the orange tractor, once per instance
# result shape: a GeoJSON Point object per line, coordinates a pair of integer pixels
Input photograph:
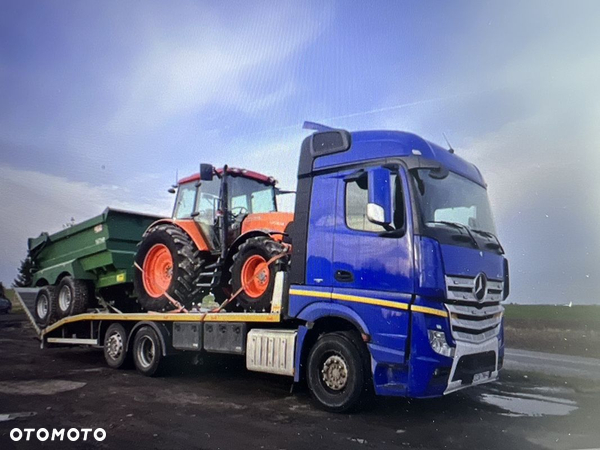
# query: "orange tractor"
{"type": "Point", "coordinates": [225, 236]}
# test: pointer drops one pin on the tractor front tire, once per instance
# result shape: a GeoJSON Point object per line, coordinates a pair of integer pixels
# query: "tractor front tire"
{"type": "Point", "coordinates": [249, 270]}
{"type": "Point", "coordinates": [168, 267]}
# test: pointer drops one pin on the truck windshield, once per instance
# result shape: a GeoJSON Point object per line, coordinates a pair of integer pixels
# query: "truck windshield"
{"type": "Point", "coordinates": [453, 199]}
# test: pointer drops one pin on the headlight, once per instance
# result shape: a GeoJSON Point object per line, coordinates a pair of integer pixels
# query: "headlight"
{"type": "Point", "coordinates": [437, 340]}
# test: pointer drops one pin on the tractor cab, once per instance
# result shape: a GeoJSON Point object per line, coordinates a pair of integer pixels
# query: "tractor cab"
{"type": "Point", "coordinates": [200, 199]}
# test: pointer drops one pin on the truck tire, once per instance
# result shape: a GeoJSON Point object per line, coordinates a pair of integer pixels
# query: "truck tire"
{"type": "Point", "coordinates": [252, 256]}
{"type": "Point", "coordinates": [338, 372]}
{"type": "Point", "coordinates": [72, 297]}
{"type": "Point", "coordinates": [170, 266]}
{"type": "Point", "coordinates": [45, 306]}
{"type": "Point", "coordinates": [147, 352]}
{"type": "Point", "coordinates": [115, 347]}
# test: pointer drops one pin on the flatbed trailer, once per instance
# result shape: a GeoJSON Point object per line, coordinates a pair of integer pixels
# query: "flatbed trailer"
{"type": "Point", "coordinates": [267, 341]}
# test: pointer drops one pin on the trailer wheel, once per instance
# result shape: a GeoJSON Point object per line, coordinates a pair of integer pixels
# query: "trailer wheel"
{"type": "Point", "coordinates": [337, 373]}
{"type": "Point", "coordinates": [115, 347]}
{"type": "Point", "coordinates": [147, 351]}
{"type": "Point", "coordinates": [45, 306]}
{"type": "Point", "coordinates": [73, 297]}
{"type": "Point", "coordinates": [250, 259]}
{"type": "Point", "coordinates": [168, 267]}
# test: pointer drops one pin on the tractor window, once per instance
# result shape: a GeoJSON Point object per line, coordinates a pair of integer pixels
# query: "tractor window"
{"type": "Point", "coordinates": [186, 198]}
{"type": "Point", "coordinates": [208, 201]}
{"type": "Point", "coordinates": [262, 201]}
{"type": "Point", "coordinates": [250, 196]}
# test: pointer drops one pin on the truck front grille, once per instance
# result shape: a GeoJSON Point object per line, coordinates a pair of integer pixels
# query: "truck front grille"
{"type": "Point", "coordinates": [473, 320]}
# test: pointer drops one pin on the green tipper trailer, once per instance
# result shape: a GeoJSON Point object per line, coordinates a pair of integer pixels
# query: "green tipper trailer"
{"type": "Point", "coordinates": [79, 263]}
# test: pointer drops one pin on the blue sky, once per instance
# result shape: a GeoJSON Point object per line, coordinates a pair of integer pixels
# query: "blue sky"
{"type": "Point", "coordinates": [102, 102]}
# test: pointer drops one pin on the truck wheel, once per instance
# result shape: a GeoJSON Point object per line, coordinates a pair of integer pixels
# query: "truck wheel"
{"type": "Point", "coordinates": [250, 259]}
{"type": "Point", "coordinates": [170, 266]}
{"type": "Point", "coordinates": [73, 297]}
{"type": "Point", "coordinates": [45, 306]}
{"type": "Point", "coordinates": [337, 373]}
{"type": "Point", "coordinates": [115, 347]}
{"type": "Point", "coordinates": [147, 351]}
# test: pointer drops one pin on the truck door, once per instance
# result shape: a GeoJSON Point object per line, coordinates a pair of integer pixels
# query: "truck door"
{"type": "Point", "coordinates": [373, 266]}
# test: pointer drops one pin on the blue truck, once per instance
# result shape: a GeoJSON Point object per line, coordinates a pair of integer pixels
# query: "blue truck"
{"type": "Point", "coordinates": [388, 279]}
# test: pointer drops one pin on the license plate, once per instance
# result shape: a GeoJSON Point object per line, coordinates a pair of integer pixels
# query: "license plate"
{"type": "Point", "coordinates": [480, 376]}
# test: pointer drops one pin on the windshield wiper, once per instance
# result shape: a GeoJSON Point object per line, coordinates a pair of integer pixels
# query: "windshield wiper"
{"type": "Point", "coordinates": [458, 226]}
{"type": "Point", "coordinates": [490, 235]}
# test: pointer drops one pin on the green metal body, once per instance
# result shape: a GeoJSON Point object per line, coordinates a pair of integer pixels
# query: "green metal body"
{"type": "Point", "coordinates": [100, 249]}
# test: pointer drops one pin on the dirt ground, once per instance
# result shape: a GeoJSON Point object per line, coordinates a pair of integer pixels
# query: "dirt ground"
{"type": "Point", "coordinates": [220, 405]}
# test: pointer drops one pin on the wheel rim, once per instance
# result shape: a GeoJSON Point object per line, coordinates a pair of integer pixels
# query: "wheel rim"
{"type": "Point", "coordinates": [64, 299]}
{"type": "Point", "coordinates": [158, 270]}
{"type": "Point", "coordinates": [255, 276]}
{"type": "Point", "coordinates": [146, 352]}
{"type": "Point", "coordinates": [114, 345]}
{"type": "Point", "coordinates": [334, 372]}
{"type": "Point", "coordinates": [42, 307]}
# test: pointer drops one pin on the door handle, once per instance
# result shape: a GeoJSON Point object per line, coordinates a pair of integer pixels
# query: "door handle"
{"type": "Point", "coordinates": [344, 276]}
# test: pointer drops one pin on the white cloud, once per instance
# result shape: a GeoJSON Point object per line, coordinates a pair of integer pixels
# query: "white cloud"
{"type": "Point", "coordinates": [214, 64]}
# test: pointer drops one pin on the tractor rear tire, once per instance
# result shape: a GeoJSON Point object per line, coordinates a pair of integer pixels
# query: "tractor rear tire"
{"type": "Point", "coordinates": [168, 266]}
{"type": "Point", "coordinates": [72, 297]}
{"type": "Point", "coordinates": [251, 258]}
{"type": "Point", "coordinates": [44, 311]}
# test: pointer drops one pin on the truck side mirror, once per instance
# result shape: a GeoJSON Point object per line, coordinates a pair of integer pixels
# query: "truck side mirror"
{"type": "Point", "coordinates": [207, 172]}
{"type": "Point", "coordinates": [379, 208]}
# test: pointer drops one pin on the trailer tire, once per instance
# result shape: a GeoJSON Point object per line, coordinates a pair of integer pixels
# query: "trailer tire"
{"type": "Point", "coordinates": [167, 248]}
{"type": "Point", "coordinates": [250, 256]}
{"type": "Point", "coordinates": [338, 373]}
{"type": "Point", "coordinates": [45, 306]}
{"type": "Point", "coordinates": [147, 352]}
{"type": "Point", "coordinates": [72, 297]}
{"type": "Point", "coordinates": [115, 347]}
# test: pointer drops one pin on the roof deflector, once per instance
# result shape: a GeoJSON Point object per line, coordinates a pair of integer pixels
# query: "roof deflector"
{"type": "Point", "coordinates": [316, 126]}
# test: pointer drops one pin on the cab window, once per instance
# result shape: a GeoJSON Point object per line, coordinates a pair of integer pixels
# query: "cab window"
{"type": "Point", "coordinates": [357, 198]}
{"type": "Point", "coordinates": [186, 199]}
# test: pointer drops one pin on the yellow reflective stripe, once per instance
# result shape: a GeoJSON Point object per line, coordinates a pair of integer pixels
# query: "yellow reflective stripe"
{"type": "Point", "coordinates": [370, 301]}
{"type": "Point", "coordinates": [351, 298]}
{"type": "Point", "coordinates": [310, 293]}
{"type": "Point", "coordinates": [425, 310]}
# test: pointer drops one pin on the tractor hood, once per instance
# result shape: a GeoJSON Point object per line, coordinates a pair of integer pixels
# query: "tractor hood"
{"type": "Point", "coordinates": [272, 221]}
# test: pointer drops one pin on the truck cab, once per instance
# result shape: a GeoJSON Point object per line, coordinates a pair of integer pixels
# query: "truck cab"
{"type": "Point", "coordinates": [394, 235]}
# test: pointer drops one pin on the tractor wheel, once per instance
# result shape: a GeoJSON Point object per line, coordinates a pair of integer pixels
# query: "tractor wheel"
{"type": "Point", "coordinates": [168, 266]}
{"type": "Point", "coordinates": [250, 269]}
{"type": "Point", "coordinates": [45, 306]}
{"type": "Point", "coordinates": [73, 297]}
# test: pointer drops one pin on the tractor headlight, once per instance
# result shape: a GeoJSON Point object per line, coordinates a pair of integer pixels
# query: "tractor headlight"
{"type": "Point", "coordinates": [437, 340]}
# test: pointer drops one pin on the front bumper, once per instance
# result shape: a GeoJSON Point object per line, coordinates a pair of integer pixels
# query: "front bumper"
{"type": "Point", "coordinates": [474, 364]}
